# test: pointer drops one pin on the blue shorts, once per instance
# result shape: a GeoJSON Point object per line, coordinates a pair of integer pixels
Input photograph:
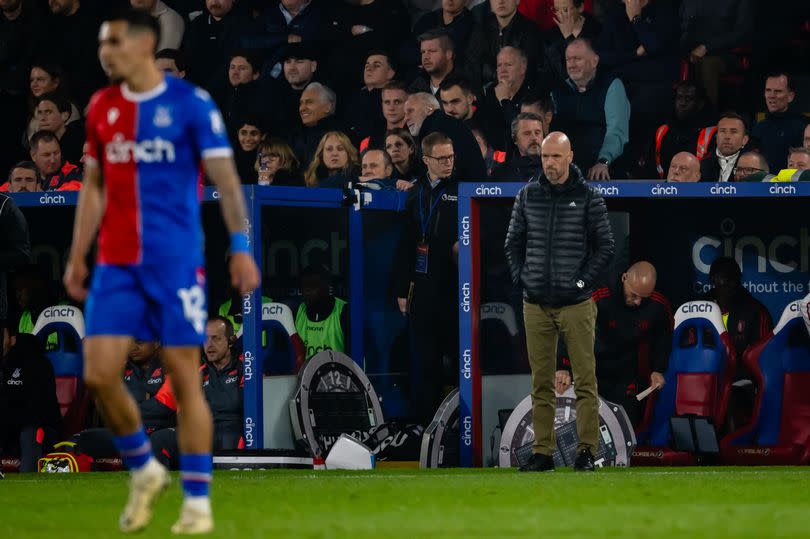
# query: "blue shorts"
{"type": "Point", "coordinates": [163, 303]}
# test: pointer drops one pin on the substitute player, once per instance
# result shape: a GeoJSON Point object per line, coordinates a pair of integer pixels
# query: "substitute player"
{"type": "Point", "coordinates": [146, 138]}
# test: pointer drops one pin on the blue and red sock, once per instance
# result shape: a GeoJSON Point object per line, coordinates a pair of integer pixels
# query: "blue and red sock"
{"type": "Point", "coordinates": [195, 473]}
{"type": "Point", "coordinates": [134, 449]}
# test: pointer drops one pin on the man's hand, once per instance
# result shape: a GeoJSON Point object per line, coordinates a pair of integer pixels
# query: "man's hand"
{"type": "Point", "coordinates": [403, 306]}
{"type": "Point", "coordinates": [565, 22]}
{"type": "Point", "coordinates": [244, 273]}
{"type": "Point", "coordinates": [641, 51]}
{"type": "Point", "coordinates": [503, 91]}
{"type": "Point", "coordinates": [75, 276]}
{"type": "Point", "coordinates": [292, 38]}
{"type": "Point", "coordinates": [633, 8]}
{"type": "Point", "coordinates": [562, 381]}
{"type": "Point", "coordinates": [360, 29]}
{"type": "Point", "coordinates": [657, 380]}
{"type": "Point", "coordinates": [404, 185]}
{"type": "Point", "coordinates": [697, 53]}
{"type": "Point", "coordinates": [599, 172]}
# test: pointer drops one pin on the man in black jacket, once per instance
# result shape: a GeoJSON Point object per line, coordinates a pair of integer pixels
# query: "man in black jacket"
{"type": "Point", "coordinates": [527, 134]}
{"type": "Point", "coordinates": [15, 249]}
{"type": "Point", "coordinates": [559, 241]}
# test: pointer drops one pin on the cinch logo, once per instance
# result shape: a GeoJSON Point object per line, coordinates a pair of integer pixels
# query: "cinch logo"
{"type": "Point", "coordinates": [215, 195]}
{"type": "Point", "coordinates": [666, 190]}
{"type": "Point", "coordinates": [155, 381]}
{"type": "Point", "coordinates": [723, 190]}
{"type": "Point", "coordinates": [58, 311]}
{"type": "Point", "coordinates": [312, 350]}
{"type": "Point", "coordinates": [231, 379]}
{"type": "Point", "coordinates": [488, 191]}
{"type": "Point", "coordinates": [249, 431]}
{"type": "Point", "coordinates": [272, 310]}
{"type": "Point", "coordinates": [247, 306]}
{"type": "Point", "coordinates": [796, 307]}
{"type": "Point", "coordinates": [467, 422]}
{"type": "Point", "coordinates": [465, 230]}
{"type": "Point", "coordinates": [155, 150]}
{"type": "Point", "coordinates": [248, 365]}
{"type": "Point", "coordinates": [52, 199]}
{"type": "Point", "coordinates": [465, 297]}
{"type": "Point", "coordinates": [467, 364]}
{"type": "Point", "coordinates": [608, 191]}
{"type": "Point", "coordinates": [782, 190]}
{"type": "Point", "coordinates": [697, 307]}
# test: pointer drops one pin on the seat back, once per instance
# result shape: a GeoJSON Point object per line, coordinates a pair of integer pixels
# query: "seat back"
{"type": "Point", "coordinates": [700, 370]}
{"type": "Point", "coordinates": [284, 351]}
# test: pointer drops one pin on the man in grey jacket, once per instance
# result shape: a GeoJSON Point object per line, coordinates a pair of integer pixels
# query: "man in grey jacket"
{"type": "Point", "coordinates": [559, 241]}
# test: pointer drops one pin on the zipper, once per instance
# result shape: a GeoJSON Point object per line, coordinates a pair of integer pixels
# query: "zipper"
{"type": "Point", "coordinates": [551, 215]}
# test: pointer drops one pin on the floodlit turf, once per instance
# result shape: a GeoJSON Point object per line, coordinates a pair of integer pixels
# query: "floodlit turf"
{"type": "Point", "coordinates": [636, 503]}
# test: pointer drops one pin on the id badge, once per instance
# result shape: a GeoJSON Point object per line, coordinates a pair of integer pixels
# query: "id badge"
{"type": "Point", "coordinates": [422, 254]}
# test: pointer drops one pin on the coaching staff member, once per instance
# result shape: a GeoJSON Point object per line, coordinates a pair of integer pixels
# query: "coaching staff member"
{"type": "Point", "coordinates": [559, 241]}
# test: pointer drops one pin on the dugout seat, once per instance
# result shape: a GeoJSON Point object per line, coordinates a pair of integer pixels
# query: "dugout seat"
{"type": "Point", "coordinates": [67, 322]}
{"type": "Point", "coordinates": [779, 432]}
{"type": "Point", "coordinates": [698, 382]}
{"type": "Point", "coordinates": [283, 355]}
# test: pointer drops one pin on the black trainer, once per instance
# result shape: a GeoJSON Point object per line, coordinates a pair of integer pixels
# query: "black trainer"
{"type": "Point", "coordinates": [584, 462]}
{"type": "Point", "coordinates": [538, 463]}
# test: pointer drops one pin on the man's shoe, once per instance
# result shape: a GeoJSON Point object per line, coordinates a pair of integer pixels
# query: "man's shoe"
{"type": "Point", "coordinates": [538, 463]}
{"type": "Point", "coordinates": [584, 462]}
{"type": "Point", "coordinates": [193, 521]}
{"type": "Point", "coordinates": [145, 486]}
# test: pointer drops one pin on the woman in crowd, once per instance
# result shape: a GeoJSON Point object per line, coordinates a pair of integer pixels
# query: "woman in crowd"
{"type": "Point", "coordinates": [335, 162]}
{"type": "Point", "coordinates": [249, 135]}
{"type": "Point", "coordinates": [400, 146]}
{"type": "Point", "coordinates": [45, 78]}
{"type": "Point", "coordinates": [276, 164]}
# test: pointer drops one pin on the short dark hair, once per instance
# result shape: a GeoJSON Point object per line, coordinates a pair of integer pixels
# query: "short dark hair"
{"type": "Point", "coordinates": [585, 41]}
{"type": "Point", "coordinates": [249, 119]}
{"type": "Point", "coordinates": [456, 80]}
{"type": "Point", "coordinates": [52, 69]}
{"type": "Point", "coordinates": [781, 73]}
{"type": "Point", "coordinates": [432, 140]}
{"type": "Point", "coordinates": [137, 20]}
{"type": "Point", "coordinates": [388, 57]}
{"type": "Point", "coordinates": [730, 114]}
{"type": "Point", "coordinates": [536, 99]}
{"type": "Point", "coordinates": [445, 41]}
{"type": "Point", "coordinates": [395, 85]}
{"type": "Point", "coordinates": [229, 333]}
{"type": "Point", "coordinates": [175, 55]}
{"type": "Point", "coordinates": [43, 135]}
{"type": "Point", "coordinates": [249, 57]}
{"type": "Point", "coordinates": [27, 165]}
{"type": "Point", "coordinates": [58, 99]}
{"type": "Point", "coordinates": [386, 157]}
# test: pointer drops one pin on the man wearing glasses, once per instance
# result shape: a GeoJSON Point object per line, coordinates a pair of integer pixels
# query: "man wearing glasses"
{"type": "Point", "coordinates": [426, 275]}
{"type": "Point", "coordinates": [751, 166]}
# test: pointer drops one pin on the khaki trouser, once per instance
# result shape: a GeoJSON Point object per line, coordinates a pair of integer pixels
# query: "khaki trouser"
{"type": "Point", "coordinates": [577, 325]}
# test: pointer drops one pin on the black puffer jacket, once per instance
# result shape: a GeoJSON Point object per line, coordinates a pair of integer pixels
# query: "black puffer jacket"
{"type": "Point", "coordinates": [558, 235]}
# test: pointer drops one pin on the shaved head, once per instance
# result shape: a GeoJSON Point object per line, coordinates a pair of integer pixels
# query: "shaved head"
{"type": "Point", "coordinates": [638, 282]}
{"type": "Point", "coordinates": [556, 155]}
{"type": "Point", "coordinates": [684, 167]}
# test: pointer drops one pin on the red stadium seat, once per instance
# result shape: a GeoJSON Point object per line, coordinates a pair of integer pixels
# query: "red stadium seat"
{"type": "Point", "coordinates": [779, 432]}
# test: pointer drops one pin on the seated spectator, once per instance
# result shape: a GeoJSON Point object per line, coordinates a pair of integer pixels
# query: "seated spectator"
{"type": "Point", "coordinates": [31, 296]}
{"type": "Point", "coordinates": [798, 159]}
{"type": "Point", "coordinates": [243, 94]}
{"type": "Point", "coordinates": [335, 162]}
{"type": "Point", "coordinates": [171, 23]}
{"type": "Point", "coordinates": [322, 320]}
{"type": "Point", "coordinates": [502, 98]}
{"type": "Point", "coordinates": [276, 164]}
{"type": "Point", "coordinates": [453, 19]}
{"type": "Point", "coordinates": [527, 134]}
{"type": "Point", "coordinates": [31, 421]}
{"type": "Point", "coordinates": [423, 117]}
{"type": "Point", "coordinates": [807, 137]}
{"type": "Point", "coordinates": [438, 61]}
{"type": "Point", "coordinates": [544, 12]}
{"type": "Point", "coordinates": [171, 61]}
{"type": "Point", "coordinates": [751, 166]}
{"type": "Point", "coordinates": [400, 146]}
{"type": "Point", "coordinates": [782, 128]}
{"type": "Point", "coordinates": [364, 110]}
{"type": "Point", "coordinates": [633, 339]}
{"type": "Point", "coordinates": [52, 113]}
{"type": "Point", "coordinates": [317, 113]}
{"type": "Point", "coordinates": [459, 101]}
{"type": "Point", "coordinates": [541, 105]}
{"type": "Point", "coordinates": [709, 31]}
{"type": "Point", "coordinates": [593, 110]}
{"type": "Point", "coordinates": [376, 169]}
{"type": "Point", "coordinates": [684, 167]}
{"type": "Point", "coordinates": [44, 79]}
{"type": "Point", "coordinates": [299, 67]}
{"type": "Point", "coordinates": [55, 173]}
{"type": "Point", "coordinates": [506, 28]}
{"type": "Point", "coordinates": [690, 129]}
{"type": "Point", "coordinates": [249, 134]}
{"type": "Point", "coordinates": [393, 96]}
{"type": "Point", "coordinates": [23, 178]}
{"type": "Point", "coordinates": [731, 138]}
{"type": "Point", "coordinates": [570, 21]}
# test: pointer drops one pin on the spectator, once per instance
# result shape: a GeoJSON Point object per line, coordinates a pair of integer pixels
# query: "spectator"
{"type": "Point", "coordinates": [544, 12]}
{"type": "Point", "coordinates": [690, 129]}
{"type": "Point", "coordinates": [23, 178]}
{"type": "Point", "coordinates": [502, 98]}
{"type": "Point", "coordinates": [31, 421]}
{"type": "Point", "coordinates": [709, 31]}
{"type": "Point", "coordinates": [782, 128]}
{"type": "Point", "coordinates": [684, 167]}
{"type": "Point", "coordinates": [171, 61]}
{"type": "Point", "coordinates": [376, 165]}
{"type": "Point", "coordinates": [249, 135]}
{"type": "Point", "coordinates": [73, 43]}
{"type": "Point", "coordinates": [732, 136]}
{"type": "Point", "coordinates": [807, 137]}
{"type": "Point", "coordinates": [593, 110]}
{"type": "Point", "coordinates": [32, 297]}
{"type": "Point", "coordinates": [541, 105]}
{"type": "Point", "coordinates": [633, 339]}
{"type": "Point", "coordinates": [438, 61]}
{"type": "Point", "coordinates": [171, 23]}
{"type": "Point", "coordinates": [507, 27]}
{"type": "Point", "coordinates": [335, 162]}
{"type": "Point", "coordinates": [244, 94]}
{"type": "Point", "coordinates": [15, 249]}
{"type": "Point", "coordinates": [426, 282]}
{"type": "Point", "coordinates": [569, 22]}
{"type": "Point", "coordinates": [751, 166]}
{"type": "Point", "coordinates": [453, 19]}
{"type": "Point", "coordinates": [798, 159]}
{"type": "Point", "coordinates": [55, 173]}
{"type": "Point", "coordinates": [52, 114]}
{"type": "Point", "coordinates": [299, 69]}
{"type": "Point", "coordinates": [46, 79]}
{"type": "Point", "coordinates": [423, 117]}
{"type": "Point", "coordinates": [276, 164]}
{"type": "Point", "coordinates": [322, 320]}
{"type": "Point", "coordinates": [364, 111]}
{"type": "Point", "coordinates": [527, 134]}
{"type": "Point", "coordinates": [317, 113]}
{"type": "Point", "coordinates": [400, 146]}
{"type": "Point", "coordinates": [393, 97]}
{"type": "Point", "coordinates": [555, 252]}
{"type": "Point", "coordinates": [459, 101]}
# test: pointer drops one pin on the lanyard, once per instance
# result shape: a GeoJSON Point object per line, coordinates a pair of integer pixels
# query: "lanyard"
{"type": "Point", "coordinates": [426, 222]}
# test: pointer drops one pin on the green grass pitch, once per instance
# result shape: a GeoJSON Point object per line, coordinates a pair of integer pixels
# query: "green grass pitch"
{"type": "Point", "coordinates": [635, 503]}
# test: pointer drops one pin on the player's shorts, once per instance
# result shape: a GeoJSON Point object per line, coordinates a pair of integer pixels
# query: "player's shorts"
{"type": "Point", "coordinates": [163, 303]}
